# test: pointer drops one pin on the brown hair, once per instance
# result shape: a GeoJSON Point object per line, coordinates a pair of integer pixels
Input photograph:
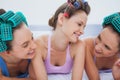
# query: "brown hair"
{"type": "Point", "coordinates": [70, 10]}
{"type": "Point", "coordinates": [2, 11]}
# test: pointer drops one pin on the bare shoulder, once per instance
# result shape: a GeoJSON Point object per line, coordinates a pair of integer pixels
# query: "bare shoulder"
{"type": "Point", "coordinates": [41, 38]}
{"type": "Point", "coordinates": [89, 45]}
{"type": "Point", "coordinates": [77, 44]}
{"type": "Point", "coordinates": [41, 43]}
{"type": "Point", "coordinates": [88, 40]}
{"type": "Point", "coordinates": [77, 48]}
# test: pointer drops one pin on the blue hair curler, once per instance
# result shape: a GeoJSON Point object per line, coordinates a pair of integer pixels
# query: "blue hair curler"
{"type": "Point", "coordinates": [108, 19]}
{"type": "Point", "coordinates": [3, 46]}
{"type": "Point", "coordinates": [17, 19]}
{"type": "Point", "coordinates": [6, 32]}
{"type": "Point", "coordinates": [116, 23]}
{"type": "Point", "coordinates": [76, 4]}
{"type": "Point", "coordinates": [4, 17]}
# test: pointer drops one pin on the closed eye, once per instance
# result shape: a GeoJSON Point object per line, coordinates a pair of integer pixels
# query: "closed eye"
{"type": "Point", "coordinates": [25, 44]}
{"type": "Point", "coordinates": [107, 47]}
{"type": "Point", "coordinates": [79, 24]}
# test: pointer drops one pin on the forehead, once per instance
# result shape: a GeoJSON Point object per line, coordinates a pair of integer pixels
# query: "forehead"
{"type": "Point", "coordinates": [21, 35]}
{"type": "Point", "coordinates": [81, 16]}
{"type": "Point", "coordinates": [109, 37]}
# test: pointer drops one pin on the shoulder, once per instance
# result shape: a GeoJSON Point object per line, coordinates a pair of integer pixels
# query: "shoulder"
{"type": "Point", "coordinates": [42, 45]}
{"type": "Point", "coordinates": [41, 40]}
{"type": "Point", "coordinates": [89, 45]}
{"type": "Point", "coordinates": [77, 48]}
{"type": "Point", "coordinates": [88, 40]}
{"type": "Point", "coordinates": [77, 44]}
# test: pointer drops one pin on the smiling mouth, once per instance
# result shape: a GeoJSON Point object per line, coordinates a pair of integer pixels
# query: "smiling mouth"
{"type": "Point", "coordinates": [77, 35]}
{"type": "Point", "coordinates": [31, 52]}
{"type": "Point", "coordinates": [96, 52]}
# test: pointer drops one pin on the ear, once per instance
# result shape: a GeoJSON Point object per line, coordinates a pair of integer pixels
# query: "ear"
{"type": "Point", "coordinates": [60, 18]}
{"type": "Point", "coordinates": [6, 52]}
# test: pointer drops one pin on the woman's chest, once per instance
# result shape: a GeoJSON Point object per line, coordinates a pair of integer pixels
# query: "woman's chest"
{"type": "Point", "coordinates": [104, 64]}
{"type": "Point", "coordinates": [16, 69]}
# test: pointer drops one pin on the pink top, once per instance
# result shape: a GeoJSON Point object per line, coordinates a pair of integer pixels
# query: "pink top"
{"type": "Point", "coordinates": [66, 68]}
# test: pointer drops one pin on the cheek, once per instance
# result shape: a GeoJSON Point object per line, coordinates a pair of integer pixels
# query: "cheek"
{"type": "Point", "coordinates": [20, 54]}
{"type": "Point", "coordinates": [109, 53]}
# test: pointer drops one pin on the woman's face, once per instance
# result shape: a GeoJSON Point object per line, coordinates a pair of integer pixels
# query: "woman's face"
{"type": "Point", "coordinates": [74, 26]}
{"type": "Point", "coordinates": [23, 45]}
{"type": "Point", "coordinates": [106, 44]}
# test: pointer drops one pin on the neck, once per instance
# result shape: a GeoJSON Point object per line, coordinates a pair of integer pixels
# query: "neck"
{"type": "Point", "coordinates": [10, 58]}
{"type": "Point", "coordinates": [59, 43]}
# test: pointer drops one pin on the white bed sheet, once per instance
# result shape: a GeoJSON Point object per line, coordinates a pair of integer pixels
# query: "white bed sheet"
{"type": "Point", "coordinates": [103, 76]}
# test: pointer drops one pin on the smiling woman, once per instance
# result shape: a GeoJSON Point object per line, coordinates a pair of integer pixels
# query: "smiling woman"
{"type": "Point", "coordinates": [62, 51]}
{"type": "Point", "coordinates": [16, 46]}
{"type": "Point", "coordinates": [103, 51]}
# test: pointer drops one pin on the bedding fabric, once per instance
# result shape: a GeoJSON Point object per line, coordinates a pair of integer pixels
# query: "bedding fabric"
{"type": "Point", "coordinates": [103, 76]}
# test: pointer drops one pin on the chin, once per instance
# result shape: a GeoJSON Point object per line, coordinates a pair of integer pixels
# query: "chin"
{"type": "Point", "coordinates": [74, 40]}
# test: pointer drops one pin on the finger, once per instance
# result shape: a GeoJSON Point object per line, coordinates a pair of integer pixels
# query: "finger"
{"type": "Point", "coordinates": [117, 62]}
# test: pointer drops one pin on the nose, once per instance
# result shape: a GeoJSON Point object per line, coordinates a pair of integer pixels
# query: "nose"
{"type": "Point", "coordinates": [98, 47]}
{"type": "Point", "coordinates": [81, 30]}
{"type": "Point", "coordinates": [33, 45]}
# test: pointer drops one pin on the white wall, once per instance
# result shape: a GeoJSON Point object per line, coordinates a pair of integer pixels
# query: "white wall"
{"type": "Point", "coordinates": [39, 11]}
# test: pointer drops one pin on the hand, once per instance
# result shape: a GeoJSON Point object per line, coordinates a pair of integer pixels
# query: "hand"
{"type": "Point", "coordinates": [116, 70]}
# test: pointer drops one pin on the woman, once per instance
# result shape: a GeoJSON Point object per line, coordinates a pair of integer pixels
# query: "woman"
{"type": "Point", "coordinates": [59, 52]}
{"type": "Point", "coordinates": [103, 51]}
{"type": "Point", "coordinates": [17, 46]}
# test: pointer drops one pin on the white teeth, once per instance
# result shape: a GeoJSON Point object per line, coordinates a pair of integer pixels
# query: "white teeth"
{"type": "Point", "coordinates": [31, 52]}
{"type": "Point", "coordinates": [77, 35]}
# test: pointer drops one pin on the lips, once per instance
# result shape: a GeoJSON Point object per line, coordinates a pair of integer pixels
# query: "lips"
{"type": "Point", "coordinates": [77, 35]}
{"type": "Point", "coordinates": [97, 52]}
{"type": "Point", "coordinates": [31, 53]}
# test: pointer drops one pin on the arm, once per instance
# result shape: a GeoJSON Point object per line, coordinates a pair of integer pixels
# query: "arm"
{"type": "Point", "coordinates": [90, 67]}
{"type": "Point", "coordinates": [11, 78]}
{"type": "Point", "coordinates": [116, 70]}
{"type": "Point", "coordinates": [78, 64]}
{"type": "Point", "coordinates": [39, 68]}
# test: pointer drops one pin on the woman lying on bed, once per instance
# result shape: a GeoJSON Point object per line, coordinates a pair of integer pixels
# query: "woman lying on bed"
{"type": "Point", "coordinates": [103, 51]}
{"type": "Point", "coordinates": [17, 46]}
{"type": "Point", "coordinates": [62, 51]}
